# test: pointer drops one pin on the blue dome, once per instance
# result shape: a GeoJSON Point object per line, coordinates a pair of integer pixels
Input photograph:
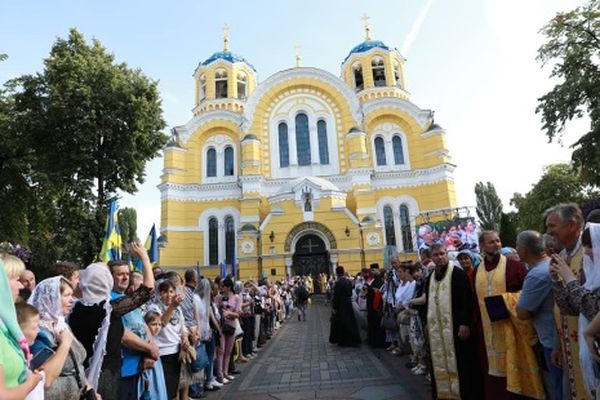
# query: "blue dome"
{"type": "Point", "coordinates": [227, 56]}
{"type": "Point", "coordinates": [366, 46]}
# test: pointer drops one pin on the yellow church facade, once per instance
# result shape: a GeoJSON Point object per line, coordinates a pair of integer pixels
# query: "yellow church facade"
{"type": "Point", "coordinates": [303, 171]}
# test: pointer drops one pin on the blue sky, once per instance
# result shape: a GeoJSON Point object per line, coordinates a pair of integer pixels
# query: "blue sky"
{"type": "Point", "coordinates": [471, 61]}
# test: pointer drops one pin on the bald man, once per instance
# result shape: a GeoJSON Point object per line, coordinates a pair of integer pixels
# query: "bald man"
{"type": "Point", "coordinates": [27, 279]}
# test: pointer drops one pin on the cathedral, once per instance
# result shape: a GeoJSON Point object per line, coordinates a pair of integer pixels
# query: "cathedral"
{"type": "Point", "coordinates": [302, 171]}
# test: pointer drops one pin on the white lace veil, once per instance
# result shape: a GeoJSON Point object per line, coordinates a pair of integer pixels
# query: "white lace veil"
{"type": "Point", "coordinates": [47, 299]}
{"type": "Point", "coordinates": [96, 284]}
{"type": "Point", "coordinates": [591, 269]}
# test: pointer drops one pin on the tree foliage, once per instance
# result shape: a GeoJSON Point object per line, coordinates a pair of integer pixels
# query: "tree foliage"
{"type": "Point", "coordinates": [508, 229]}
{"type": "Point", "coordinates": [128, 224]}
{"type": "Point", "coordinates": [72, 137]}
{"type": "Point", "coordinates": [489, 206]}
{"type": "Point", "coordinates": [558, 184]}
{"type": "Point", "coordinates": [572, 47]}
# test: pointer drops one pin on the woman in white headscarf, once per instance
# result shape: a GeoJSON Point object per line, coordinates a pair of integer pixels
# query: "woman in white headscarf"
{"type": "Point", "coordinates": [53, 298]}
{"type": "Point", "coordinates": [583, 299]}
{"type": "Point", "coordinates": [96, 322]}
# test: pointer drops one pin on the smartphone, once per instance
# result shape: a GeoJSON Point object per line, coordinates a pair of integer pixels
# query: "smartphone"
{"type": "Point", "coordinates": [40, 358]}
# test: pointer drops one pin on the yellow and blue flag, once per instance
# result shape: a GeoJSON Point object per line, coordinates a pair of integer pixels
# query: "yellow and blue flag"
{"type": "Point", "coordinates": [111, 246]}
{"type": "Point", "coordinates": [151, 246]}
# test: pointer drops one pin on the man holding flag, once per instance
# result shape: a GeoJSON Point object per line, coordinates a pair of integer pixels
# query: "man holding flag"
{"type": "Point", "coordinates": [134, 340]}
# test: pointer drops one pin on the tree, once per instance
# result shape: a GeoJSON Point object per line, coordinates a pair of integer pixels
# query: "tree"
{"type": "Point", "coordinates": [573, 48]}
{"type": "Point", "coordinates": [558, 184]}
{"type": "Point", "coordinates": [508, 229]}
{"type": "Point", "coordinates": [85, 128]}
{"type": "Point", "coordinates": [489, 206]}
{"type": "Point", "coordinates": [128, 224]}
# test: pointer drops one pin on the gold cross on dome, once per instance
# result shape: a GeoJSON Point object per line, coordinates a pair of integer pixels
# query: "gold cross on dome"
{"type": "Point", "coordinates": [225, 37]}
{"type": "Point", "coordinates": [297, 47]}
{"type": "Point", "coordinates": [366, 19]}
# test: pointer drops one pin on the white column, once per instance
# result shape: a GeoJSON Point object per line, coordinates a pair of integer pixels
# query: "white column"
{"type": "Point", "coordinates": [220, 162]}
{"type": "Point", "coordinates": [292, 143]}
{"type": "Point", "coordinates": [221, 241]}
{"type": "Point", "coordinates": [397, 229]}
{"type": "Point", "coordinates": [314, 143]}
{"type": "Point", "coordinates": [389, 152]}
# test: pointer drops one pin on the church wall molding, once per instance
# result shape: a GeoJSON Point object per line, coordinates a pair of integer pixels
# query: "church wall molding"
{"type": "Point", "coordinates": [380, 180]}
{"type": "Point", "coordinates": [296, 74]}
{"type": "Point", "coordinates": [421, 117]}
{"type": "Point", "coordinates": [186, 131]}
{"type": "Point", "coordinates": [305, 228]}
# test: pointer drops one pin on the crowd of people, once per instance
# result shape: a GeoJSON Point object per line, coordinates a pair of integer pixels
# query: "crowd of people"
{"type": "Point", "coordinates": [107, 332]}
{"type": "Point", "coordinates": [504, 323]}
{"type": "Point", "coordinates": [501, 323]}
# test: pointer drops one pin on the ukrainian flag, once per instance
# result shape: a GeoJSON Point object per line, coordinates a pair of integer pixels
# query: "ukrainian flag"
{"type": "Point", "coordinates": [151, 246]}
{"type": "Point", "coordinates": [111, 246]}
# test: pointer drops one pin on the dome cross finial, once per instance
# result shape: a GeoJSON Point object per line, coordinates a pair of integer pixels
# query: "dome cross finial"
{"type": "Point", "coordinates": [366, 19]}
{"type": "Point", "coordinates": [225, 37]}
{"type": "Point", "coordinates": [298, 55]}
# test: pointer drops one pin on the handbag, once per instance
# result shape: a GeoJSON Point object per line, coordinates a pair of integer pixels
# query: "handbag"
{"type": "Point", "coordinates": [227, 329]}
{"type": "Point", "coordinates": [86, 393]}
{"type": "Point", "coordinates": [388, 320]}
{"type": "Point", "coordinates": [238, 328]}
{"type": "Point", "coordinates": [201, 360]}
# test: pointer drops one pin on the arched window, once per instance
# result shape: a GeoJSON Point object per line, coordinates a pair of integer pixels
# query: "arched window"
{"type": "Point", "coordinates": [398, 152]}
{"type": "Point", "coordinates": [213, 241]}
{"type": "Point", "coordinates": [358, 77]}
{"type": "Point", "coordinates": [202, 94]}
{"type": "Point", "coordinates": [242, 80]}
{"type": "Point", "coordinates": [220, 84]}
{"type": "Point", "coordinates": [228, 161]}
{"type": "Point", "coordinates": [229, 240]}
{"type": "Point", "coordinates": [211, 162]}
{"type": "Point", "coordinates": [302, 139]}
{"type": "Point", "coordinates": [380, 151]}
{"type": "Point", "coordinates": [284, 149]}
{"type": "Point", "coordinates": [407, 242]}
{"type": "Point", "coordinates": [390, 232]}
{"type": "Point", "coordinates": [378, 71]}
{"type": "Point", "coordinates": [323, 148]}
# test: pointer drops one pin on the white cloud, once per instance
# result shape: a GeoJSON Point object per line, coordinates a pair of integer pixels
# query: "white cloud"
{"type": "Point", "coordinates": [415, 28]}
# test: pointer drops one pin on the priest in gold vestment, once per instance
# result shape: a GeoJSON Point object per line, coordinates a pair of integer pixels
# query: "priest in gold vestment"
{"type": "Point", "coordinates": [565, 223]}
{"type": "Point", "coordinates": [455, 369]}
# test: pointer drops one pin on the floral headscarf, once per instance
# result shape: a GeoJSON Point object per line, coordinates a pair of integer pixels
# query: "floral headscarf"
{"type": "Point", "coordinates": [475, 260]}
{"type": "Point", "coordinates": [47, 299]}
{"type": "Point", "coordinates": [591, 268]}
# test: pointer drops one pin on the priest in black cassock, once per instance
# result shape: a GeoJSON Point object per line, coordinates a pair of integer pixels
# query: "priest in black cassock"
{"type": "Point", "coordinates": [450, 302]}
{"type": "Point", "coordinates": [344, 330]}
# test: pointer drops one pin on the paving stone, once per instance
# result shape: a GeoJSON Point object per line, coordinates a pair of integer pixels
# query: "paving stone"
{"type": "Point", "coordinates": [298, 363]}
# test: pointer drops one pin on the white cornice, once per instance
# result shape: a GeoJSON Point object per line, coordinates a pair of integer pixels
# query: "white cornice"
{"type": "Point", "coordinates": [186, 131]}
{"type": "Point", "coordinates": [422, 117]}
{"type": "Point", "coordinates": [271, 188]}
{"type": "Point", "coordinates": [200, 192]}
{"type": "Point", "coordinates": [413, 178]}
{"type": "Point", "coordinates": [435, 131]}
{"type": "Point", "coordinates": [354, 56]}
{"type": "Point", "coordinates": [301, 73]}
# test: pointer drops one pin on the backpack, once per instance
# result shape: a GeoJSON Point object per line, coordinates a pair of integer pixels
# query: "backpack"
{"type": "Point", "coordinates": [302, 293]}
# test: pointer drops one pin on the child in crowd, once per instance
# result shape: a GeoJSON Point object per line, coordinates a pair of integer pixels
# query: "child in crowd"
{"type": "Point", "coordinates": [153, 378]}
{"type": "Point", "coordinates": [28, 318]}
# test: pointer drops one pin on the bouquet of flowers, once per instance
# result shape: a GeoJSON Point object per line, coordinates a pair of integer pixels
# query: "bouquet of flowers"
{"type": "Point", "coordinates": [16, 250]}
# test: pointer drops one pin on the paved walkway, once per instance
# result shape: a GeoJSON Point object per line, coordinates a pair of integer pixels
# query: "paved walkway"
{"type": "Point", "coordinates": [299, 363]}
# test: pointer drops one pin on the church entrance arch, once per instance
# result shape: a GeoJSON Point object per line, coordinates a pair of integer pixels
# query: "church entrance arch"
{"type": "Point", "coordinates": [311, 258]}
